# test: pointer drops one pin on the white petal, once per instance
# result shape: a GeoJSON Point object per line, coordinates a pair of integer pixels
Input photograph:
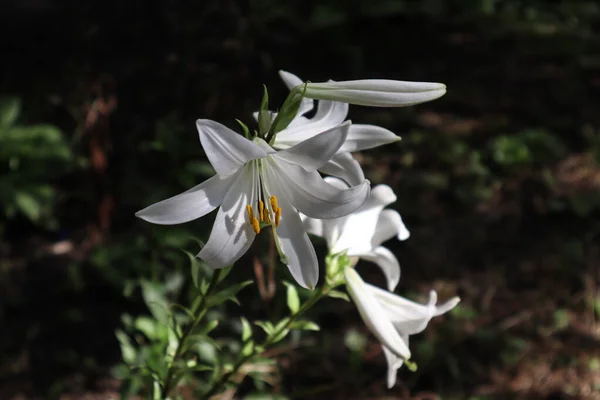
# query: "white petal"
{"type": "Point", "coordinates": [356, 236]}
{"type": "Point", "coordinates": [312, 226]}
{"type": "Point", "coordinates": [389, 225]}
{"type": "Point", "coordinates": [394, 363]}
{"type": "Point", "coordinates": [295, 244]}
{"type": "Point", "coordinates": [311, 195]}
{"type": "Point", "coordinates": [316, 151]}
{"type": "Point", "coordinates": [409, 317]}
{"type": "Point", "coordinates": [189, 205]}
{"type": "Point", "coordinates": [373, 315]}
{"type": "Point", "coordinates": [232, 234]}
{"type": "Point", "coordinates": [387, 261]}
{"type": "Point", "coordinates": [226, 150]}
{"type": "Point", "coordinates": [329, 114]}
{"type": "Point", "coordinates": [291, 81]}
{"type": "Point", "coordinates": [362, 137]}
{"type": "Point", "coordinates": [376, 92]}
{"type": "Point", "coordinates": [344, 166]}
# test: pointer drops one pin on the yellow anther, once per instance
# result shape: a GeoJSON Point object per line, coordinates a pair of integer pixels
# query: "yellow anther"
{"type": "Point", "coordinates": [261, 210]}
{"type": "Point", "coordinates": [267, 219]}
{"type": "Point", "coordinates": [255, 225]}
{"type": "Point", "coordinates": [250, 212]}
{"type": "Point", "coordinates": [277, 216]}
{"type": "Point", "coordinates": [274, 205]}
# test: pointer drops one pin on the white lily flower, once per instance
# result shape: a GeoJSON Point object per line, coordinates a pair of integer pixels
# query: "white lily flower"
{"type": "Point", "coordinates": [255, 185]}
{"type": "Point", "coordinates": [392, 318]}
{"type": "Point", "coordinates": [375, 92]}
{"type": "Point", "coordinates": [330, 114]}
{"type": "Point", "coordinates": [361, 233]}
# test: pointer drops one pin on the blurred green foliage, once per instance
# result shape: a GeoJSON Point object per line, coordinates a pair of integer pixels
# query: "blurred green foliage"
{"type": "Point", "coordinates": [32, 157]}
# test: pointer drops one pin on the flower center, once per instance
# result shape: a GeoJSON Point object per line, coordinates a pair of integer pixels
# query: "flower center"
{"type": "Point", "coordinates": [268, 215]}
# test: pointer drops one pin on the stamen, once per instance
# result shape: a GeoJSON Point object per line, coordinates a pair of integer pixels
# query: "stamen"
{"type": "Point", "coordinates": [261, 210]}
{"type": "Point", "coordinates": [277, 216]}
{"type": "Point", "coordinates": [274, 205]}
{"type": "Point", "coordinates": [255, 225]}
{"type": "Point", "coordinates": [250, 212]}
{"type": "Point", "coordinates": [267, 218]}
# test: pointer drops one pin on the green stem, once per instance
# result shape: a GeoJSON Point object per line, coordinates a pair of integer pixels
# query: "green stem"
{"type": "Point", "coordinates": [318, 295]}
{"type": "Point", "coordinates": [199, 313]}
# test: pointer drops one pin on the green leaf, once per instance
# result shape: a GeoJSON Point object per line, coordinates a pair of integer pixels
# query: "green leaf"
{"type": "Point", "coordinates": [248, 348]}
{"type": "Point", "coordinates": [10, 109]}
{"type": "Point", "coordinates": [196, 268]}
{"type": "Point", "coordinates": [336, 294]}
{"type": "Point", "coordinates": [155, 300]}
{"type": "Point", "coordinates": [208, 327]}
{"type": "Point", "coordinates": [246, 329]}
{"type": "Point", "coordinates": [305, 326]}
{"type": "Point", "coordinates": [28, 205]}
{"type": "Point", "coordinates": [266, 326]}
{"type": "Point", "coordinates": [293, 301]}
{"type": "Point", "coordinates": [227, 294]}
{"type": "Point", "coordinates": [224, 272]}
{"type": "Point", "coordinates": [280, 336]}
{"type": "Point", "coordinates": [127, 349]}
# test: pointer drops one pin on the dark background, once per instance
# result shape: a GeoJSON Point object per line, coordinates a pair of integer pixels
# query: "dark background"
{"type": "Point", "coordinates": [498, 182]}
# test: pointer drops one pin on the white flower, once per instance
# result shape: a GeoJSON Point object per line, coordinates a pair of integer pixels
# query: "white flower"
{"type": "Point", "coordinates": [375, 92]}
{"type": "Point", "coordinates": [330, 114]}
{"type": "Point", "coordinates": [361, 233]}
{"type": "Point", "coordinates": [392, 318]}
{"type": "Point", "coordinates": [254, 185]}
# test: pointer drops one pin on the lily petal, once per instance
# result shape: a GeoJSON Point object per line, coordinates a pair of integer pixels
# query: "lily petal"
{"type": "Point", "coordinates": [409, 317]}
{"type": "Point", "coordinates": [363, 137]}
{"type": "Point", "coordinates": [394, 363]}
{"type": "Point", "coordinates": [316, 151]}
{"type": "Point", "coordinates": [189, 205]}
{"type": "Point", "coordinates": [389, 225]}
{"type": "Point", "coordinates": [295, 244]}
{"type": "Point", "coordinates": [374, 315]}
{"type": "Point", "coordinates": [232, 235]}
{"type": "Point", "coordinates": [291, 81]}
{"type": "Point", "coordinates": [344, 166]}
{"type": "Point", "coordinates": [312, 226]}
{"type": "Point", "coordinates": [376, 92]}
{"type": "Point", "coordinates": [311, 195]}
{"type": "Point", "coordinates": [387, 261]}
{"type": "Point", "coordinates": [226, 150]}
{"type": "Point", "coordinates": [362, 225]}
{"type": "Point", "coordinates": [329, 114]}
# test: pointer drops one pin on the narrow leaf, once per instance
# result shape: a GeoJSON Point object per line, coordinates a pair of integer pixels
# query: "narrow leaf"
{"type": "Point", "coordinates": [293, 301]}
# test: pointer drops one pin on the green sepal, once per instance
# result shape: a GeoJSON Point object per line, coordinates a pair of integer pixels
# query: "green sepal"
{"type": "Point", "coordinates": [264, 115]}
{"type": "Point", "coordinates": [288, 111]}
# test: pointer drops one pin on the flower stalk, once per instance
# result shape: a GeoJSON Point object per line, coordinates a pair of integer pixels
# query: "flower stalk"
{"type": "Point", "coordinates": [199, 313]}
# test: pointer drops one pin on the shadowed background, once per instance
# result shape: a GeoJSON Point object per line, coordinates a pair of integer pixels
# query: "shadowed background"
{"type": "Point", "coordinates": [498, 182]}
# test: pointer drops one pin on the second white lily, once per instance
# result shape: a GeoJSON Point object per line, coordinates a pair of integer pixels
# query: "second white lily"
{"type": "Point", "coordinates": [361, 233]}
